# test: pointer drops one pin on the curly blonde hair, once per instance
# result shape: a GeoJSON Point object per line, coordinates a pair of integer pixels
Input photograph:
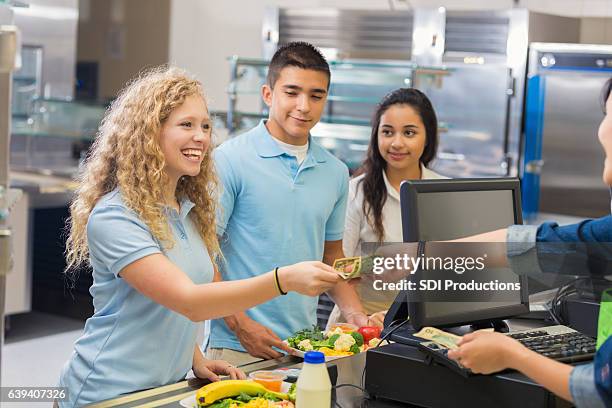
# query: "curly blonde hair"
{"type": "Point", "coordinates": [126, 154]}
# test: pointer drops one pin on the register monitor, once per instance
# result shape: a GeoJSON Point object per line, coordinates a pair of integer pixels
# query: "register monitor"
{"type": "Point", "coordinates": [439, 210]}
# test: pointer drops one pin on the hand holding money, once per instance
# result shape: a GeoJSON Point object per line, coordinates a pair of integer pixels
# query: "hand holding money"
{"type": "Point", "coordinates": [440, 337]}
{"type": "Point", "coordinates": [487, 352]}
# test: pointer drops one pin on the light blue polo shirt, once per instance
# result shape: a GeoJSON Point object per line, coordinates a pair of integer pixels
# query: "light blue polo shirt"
{"type": "Point", "coordinates": [132, 343]}
{"type": "Point", "coordinates": [275, 213]}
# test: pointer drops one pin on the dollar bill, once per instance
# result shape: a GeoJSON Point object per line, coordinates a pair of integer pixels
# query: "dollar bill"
{"type": "Point", "coordinates": [367, 264]}
{"type": "Point", "coordinates": [348, 268]}
{"type": "Point", "coordinates": [440, 337]}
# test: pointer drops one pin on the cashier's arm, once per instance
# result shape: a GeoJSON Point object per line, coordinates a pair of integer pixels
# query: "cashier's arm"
{"type": "Point", "coordinates": [156, 277]}
{"type": "Point", "coordinates": [343, 294]}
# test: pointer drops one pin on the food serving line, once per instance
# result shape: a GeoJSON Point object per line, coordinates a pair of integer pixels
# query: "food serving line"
{"type": "Point", "coordinates": [347, 376]}
{"type": "Point", "coordinates": [349, 371]}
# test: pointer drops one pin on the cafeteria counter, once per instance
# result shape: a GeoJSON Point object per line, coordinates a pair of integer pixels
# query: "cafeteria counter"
{"type": "Point", "coordinates": [350, 370]}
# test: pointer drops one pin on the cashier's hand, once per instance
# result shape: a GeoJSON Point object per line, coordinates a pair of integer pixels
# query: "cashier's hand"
{"type": "Point", "coordinates": [486, 352]}
{"type": "Point", "coordinates": [258, 340]}
{"type": "Point", "coordinates": [212, 369]}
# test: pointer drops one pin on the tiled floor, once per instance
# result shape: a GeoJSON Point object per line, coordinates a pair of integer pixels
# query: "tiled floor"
{"type": "Point", "coordinates": [36, 347]}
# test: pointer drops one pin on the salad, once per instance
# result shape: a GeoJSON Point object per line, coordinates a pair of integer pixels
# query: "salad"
{"type": "Point", "coordinates": [340, 340]}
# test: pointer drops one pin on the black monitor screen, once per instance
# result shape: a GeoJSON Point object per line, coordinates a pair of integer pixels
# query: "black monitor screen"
{"type": "Point", "coordinates": [467, 213]}
{"type": "Point", "coordinates": [441, 210]}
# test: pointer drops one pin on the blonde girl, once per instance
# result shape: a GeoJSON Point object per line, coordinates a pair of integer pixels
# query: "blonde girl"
{"type": "Point", "coordinates": [143, 217]}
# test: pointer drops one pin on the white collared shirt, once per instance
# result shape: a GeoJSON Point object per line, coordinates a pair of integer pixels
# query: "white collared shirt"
{"type": "Point", "coordinates": [357, 229]}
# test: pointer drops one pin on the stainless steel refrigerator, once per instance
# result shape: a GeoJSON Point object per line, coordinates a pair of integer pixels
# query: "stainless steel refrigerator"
{"type": "Point", "coordinates": [479, 103]}
{"type": "Point", "coordinates": [563, 161]}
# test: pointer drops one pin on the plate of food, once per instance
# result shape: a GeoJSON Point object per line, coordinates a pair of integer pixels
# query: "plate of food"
{"type": "Point", "coordinates": [240, 394]}
{"type": "Point", "coordinates": [341, 340]}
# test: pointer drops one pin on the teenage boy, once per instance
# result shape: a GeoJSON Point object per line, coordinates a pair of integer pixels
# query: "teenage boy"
{"type": "Point", "coordinates": [283, 201]}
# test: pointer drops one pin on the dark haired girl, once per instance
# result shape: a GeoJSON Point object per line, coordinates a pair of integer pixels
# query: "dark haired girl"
{"type": "Point", "coordinates": [403, 143]}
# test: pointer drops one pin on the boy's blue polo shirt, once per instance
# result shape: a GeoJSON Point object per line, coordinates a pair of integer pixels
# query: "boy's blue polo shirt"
{"type": "Point", "coordinates": [275, 213]}
{"type": "Point", "coordinates": [132, 343]}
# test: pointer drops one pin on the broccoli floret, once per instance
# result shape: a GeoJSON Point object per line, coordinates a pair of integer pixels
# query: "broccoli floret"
{"type": "Point", "coordinates": [355, 349]}
{"type": "Point", "coordinates": [358, 338]}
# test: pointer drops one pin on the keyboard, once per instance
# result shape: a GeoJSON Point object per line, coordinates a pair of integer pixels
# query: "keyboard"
{"type": "Point", "coordinates": [560, 343]}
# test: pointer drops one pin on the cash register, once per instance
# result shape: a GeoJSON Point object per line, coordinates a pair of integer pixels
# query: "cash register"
{"type": "Point", "coordinates": [404, 371]}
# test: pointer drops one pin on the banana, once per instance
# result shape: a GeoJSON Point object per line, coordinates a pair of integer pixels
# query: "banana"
{"type": "Point", "coordinates": [219, 390]}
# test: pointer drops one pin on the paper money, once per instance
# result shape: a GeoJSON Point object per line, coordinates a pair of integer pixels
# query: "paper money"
{"type": "Point", "coordinates": [367, 264]}
{"type": "Point", "coordinates": [341, 265]}
{"type": "Point", "coordinates": [440, 337]}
